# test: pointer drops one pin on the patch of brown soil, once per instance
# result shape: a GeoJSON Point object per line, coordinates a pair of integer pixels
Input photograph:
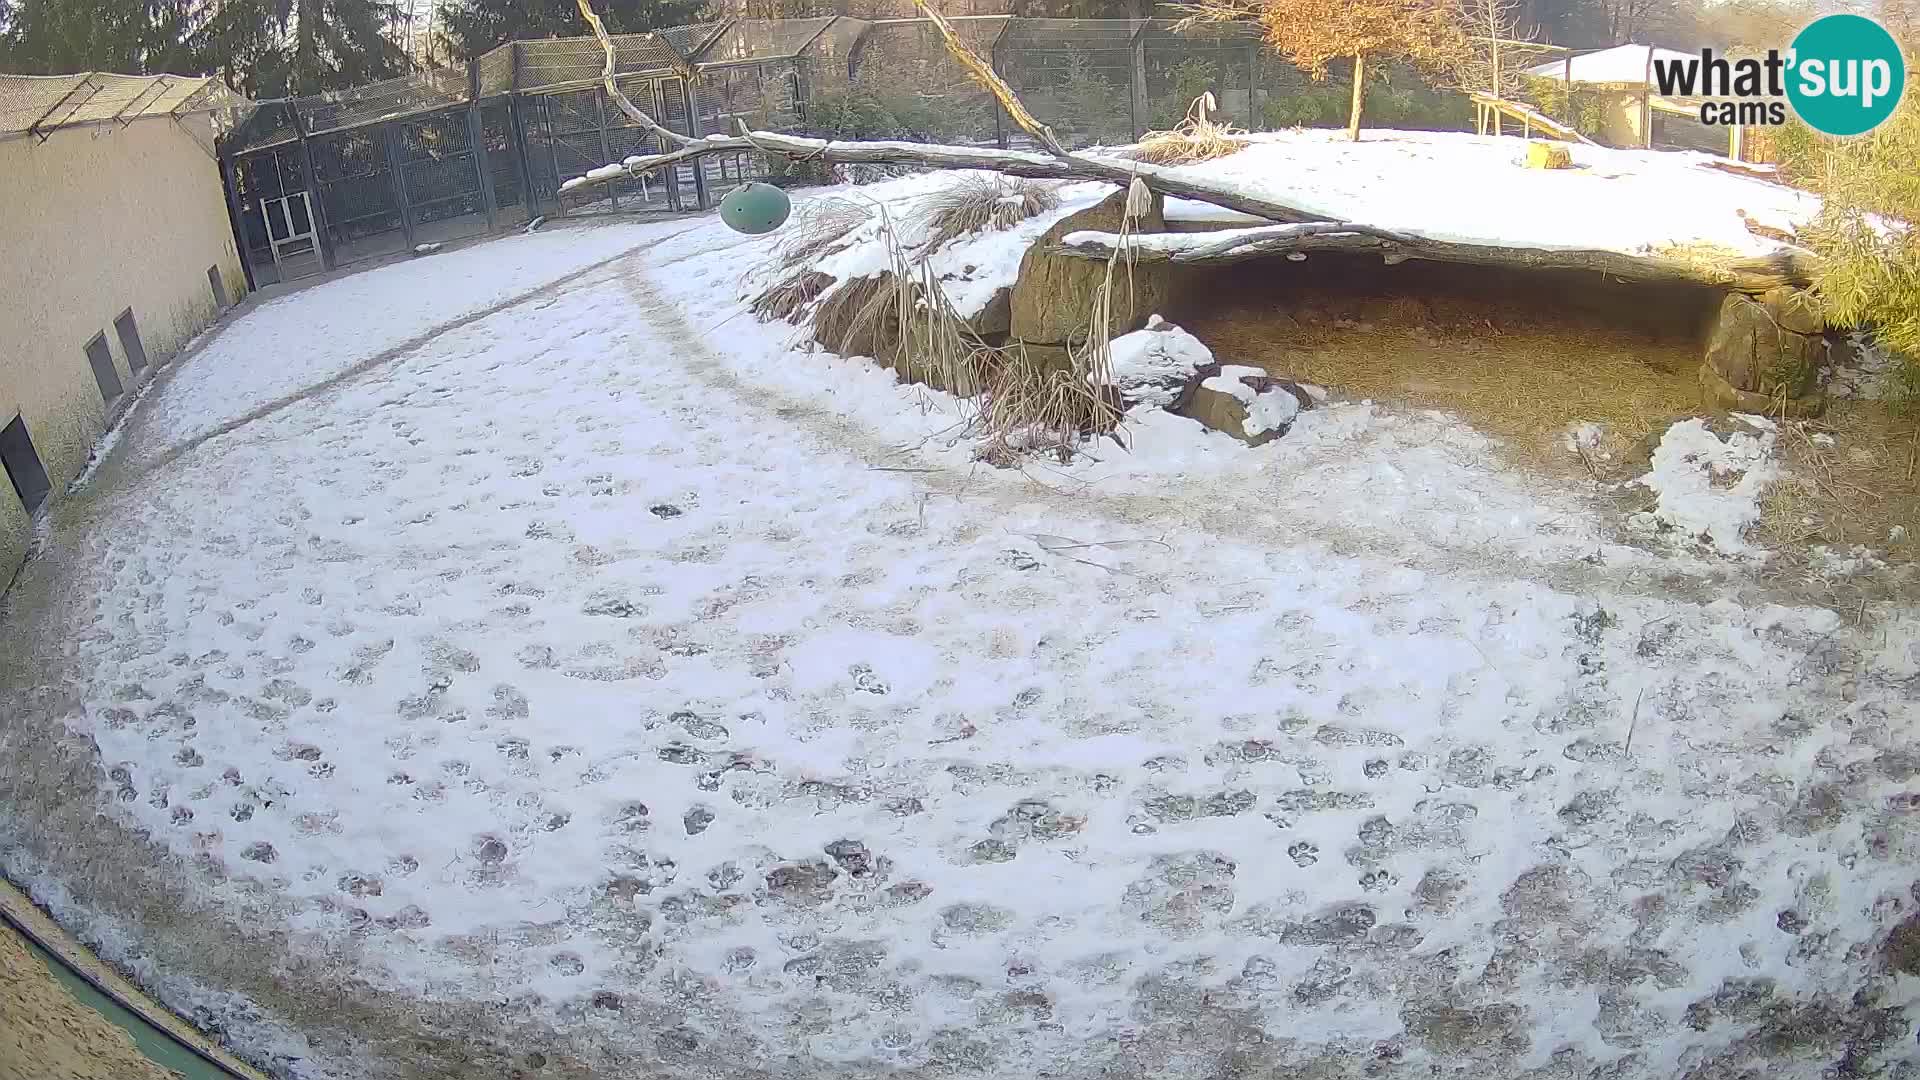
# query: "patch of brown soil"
{"type": "Point", "coordinates": [1519, 358]}
{"type": "Point", "coordinates": [1851, 477]}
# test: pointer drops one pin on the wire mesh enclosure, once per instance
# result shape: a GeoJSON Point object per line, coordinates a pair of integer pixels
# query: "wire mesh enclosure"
{"type": "Point", "coordinates": [442, 154]}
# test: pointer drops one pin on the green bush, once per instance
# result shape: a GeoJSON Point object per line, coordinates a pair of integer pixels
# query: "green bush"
{"type": "Point", "coordinates": [1869, 273]}
{"type": "Point", "coordinates": [1550, 96]}
{"type": "Point", "coordinates": [1185, 81]}
{"type": "Point", "coordinates": [1402, 99]}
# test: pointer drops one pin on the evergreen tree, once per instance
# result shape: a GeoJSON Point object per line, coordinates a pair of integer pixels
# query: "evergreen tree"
{"type": "Point", "coordinates": [471, 27]}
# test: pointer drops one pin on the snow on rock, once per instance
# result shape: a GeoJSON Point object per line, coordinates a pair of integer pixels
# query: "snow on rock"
{"type": "Point", "coordinates": [971, 268]}
{"type": "Point", "coordinates": [1151, 365]}
{"type": "Point", "coordinates": [1474, 189]}
{"type": "Point", "coordinates": [1709, 487]}
{"type": "Point", "coordinates": [1270, 410]}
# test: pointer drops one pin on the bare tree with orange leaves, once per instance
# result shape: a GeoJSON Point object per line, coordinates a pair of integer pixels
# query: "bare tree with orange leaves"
{"type": "Point", "coordinates": [1313, 33]}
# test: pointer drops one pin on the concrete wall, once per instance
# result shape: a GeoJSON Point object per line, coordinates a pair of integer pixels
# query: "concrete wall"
{"type": "Point", "coordinates": [93, 221]}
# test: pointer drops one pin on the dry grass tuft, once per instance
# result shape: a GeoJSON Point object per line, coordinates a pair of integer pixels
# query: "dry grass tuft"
{"type": "Point", "coordinates": [1850, 478]}
{"type": "Point", "coordinates": [817, 225]}
{"type": "Point", "coordinates": [788, 298]}
{"type": "Point", "coordinates": [979, 203]}
{"type": "Point", "coordinates": [1035, 401]}
{"type": "Point", "coordinates": [1197, 138]}
{"type": "Point", "coordinates": [850, 320]}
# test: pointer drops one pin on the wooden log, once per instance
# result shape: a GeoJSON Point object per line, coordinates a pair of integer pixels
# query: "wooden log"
{"type": "Point", "coordinates": [1038, 166]}
{"type": "Point", "coordinates": [1754, 275]}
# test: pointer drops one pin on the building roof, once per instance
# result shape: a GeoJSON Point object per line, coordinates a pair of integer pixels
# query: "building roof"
{"type": "Point", "coordinates": [1620, 64]}
{"type": "Point", "coordinates": [43, 103]}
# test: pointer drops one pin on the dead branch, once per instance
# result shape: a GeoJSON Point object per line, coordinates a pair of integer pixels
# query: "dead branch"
{"type": "Point", "coordinates": [984, 74]}
{"type": "Point", "coordinates": [666, 135]}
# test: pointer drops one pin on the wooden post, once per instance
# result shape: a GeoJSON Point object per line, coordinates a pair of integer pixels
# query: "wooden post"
{"type": "Point", "coordinates": [1646, 103]}
{"type": "Point", "coordinates": [1736, 142]}
{"type": "Point", "coordinates": [1568, 105]}
{"type": "Point", "coordinates": [1359, 83]}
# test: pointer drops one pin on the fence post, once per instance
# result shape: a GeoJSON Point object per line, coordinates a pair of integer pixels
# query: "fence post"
{"type": "Point", "coordinates": [476, 140]}
{"type": "Point", "coordinates": [515, 99]}
{"type": "Point", "coordinates": [553, 159]}
{"type": "Point", "coordinates": [690, 97]}
{"type": "Point", "coordinates": [999, 111]}
{"type": "Point", "coordinates": [398, 178]}
{"type": "Point", "coordinates": [230, 180]}
{"type": "Point", "coordinates": [316, 202]}
{"type": "Point", "coordinates": [606, 148]}
{"type": "Point", "coordinates": [1137, 103]}
{"type": "Point", "coordinates": [1253, 86]}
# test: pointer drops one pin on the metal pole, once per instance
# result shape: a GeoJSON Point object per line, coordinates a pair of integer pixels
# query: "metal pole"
{"type": "Point", "coordinates": [230, 180]}
{"type": "Point", "coordinates": [1253, 86]}
{"type": "Point", "coordinates": [1137, 103]}
{"type": "Point", "coordinates": [673, 174]}
{"type": "Point", "coordinates": [693, 130]}
{"type": "Point", "coordinates": [397, 181]}
{"type": "Point", "coordinates": [476, 141]}
{"type": "Point", "coordinates": [999, 111]}
{"type": "Point", "coordinates": [559, 198]}
{"type": "Point", "coordinates": [515, 100]}
{"type": "Point", "coordinates": [318, 203]}
{"type": "Point", "coordinates": [606, 147]}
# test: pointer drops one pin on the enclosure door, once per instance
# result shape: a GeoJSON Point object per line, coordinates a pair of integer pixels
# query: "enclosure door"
{"type": "Point", "coordinates": [290, 229]}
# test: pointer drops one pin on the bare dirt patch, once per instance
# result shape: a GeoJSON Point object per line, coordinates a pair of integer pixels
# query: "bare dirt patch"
{"type": "Point", "coordinates": [1519, 355]}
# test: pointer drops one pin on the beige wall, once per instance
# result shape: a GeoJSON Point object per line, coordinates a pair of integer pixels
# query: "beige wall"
{"type": "Point", "coordinates": [93, 221]}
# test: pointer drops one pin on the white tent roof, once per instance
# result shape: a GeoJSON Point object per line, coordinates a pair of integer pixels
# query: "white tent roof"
{"type": "Point", "coordinates": [1620, 64]}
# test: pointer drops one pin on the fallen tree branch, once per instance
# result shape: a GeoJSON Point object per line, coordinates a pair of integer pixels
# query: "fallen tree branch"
{"type": "Point", "coordinates": [984, 74]}
{"type": "Point", "coordinates": [1262, 241]}
{"type": "Point", "coordinates": [666, 135]}
{"type": "Point", "coordinates": [1034, 165]}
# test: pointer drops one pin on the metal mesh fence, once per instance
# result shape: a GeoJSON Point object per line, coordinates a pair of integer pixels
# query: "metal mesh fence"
{"type": "Point", "coordinates": [45, 103]}
{"type": "Point", "coordinates": [434, 153]}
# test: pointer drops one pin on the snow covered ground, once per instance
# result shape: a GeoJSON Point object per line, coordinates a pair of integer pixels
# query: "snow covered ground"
{"type": "Point", "coordinates": [607, 683]}
{"type": "Point", "coordinates": [1475, 189]}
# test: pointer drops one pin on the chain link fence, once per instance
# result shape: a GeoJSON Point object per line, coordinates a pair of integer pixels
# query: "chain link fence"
{"type": "Point", "coordinates": [331, 178]}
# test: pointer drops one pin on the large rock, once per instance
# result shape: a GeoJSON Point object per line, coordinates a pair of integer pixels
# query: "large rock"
{"type": "Point", "coordinates": [1054, 293]}
{"type": "Point", "coordinates": [1720, 396]}
{"type": "Point", "coordinates": [1243, 402]}
{"type": "Point", "coordinates": [1753, 345]}
{"type": "Point", "coordinates": [1794, 309]}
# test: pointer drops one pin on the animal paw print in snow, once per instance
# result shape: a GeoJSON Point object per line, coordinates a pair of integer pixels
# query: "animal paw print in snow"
{"type": "Point", "coordinates": [1019, 560]}
{"type": "Point", "coordinates": [1303, 853]}
{"type": "Point", "coordinates": [1378, 881]}
{"type": "Point", "coordinates": [865, 681]}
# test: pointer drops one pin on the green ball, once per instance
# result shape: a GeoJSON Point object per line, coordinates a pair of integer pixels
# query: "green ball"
{"type": "Point", "coordinates": [755, 208]}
